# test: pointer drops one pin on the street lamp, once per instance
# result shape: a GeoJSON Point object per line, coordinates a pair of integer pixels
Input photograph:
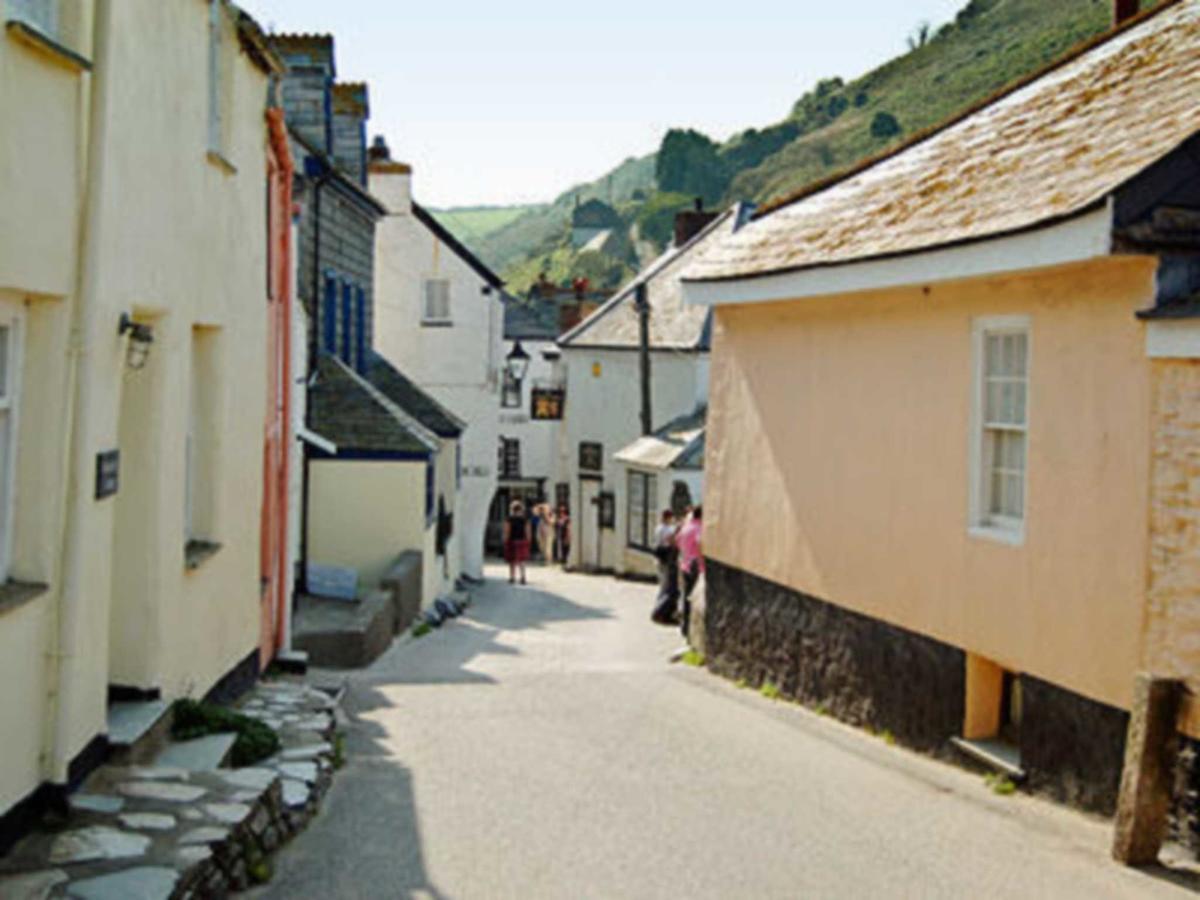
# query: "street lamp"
{"type": "Point", "coordinates": [517, 363]}
{"type": "Point", "coordinates": [141, 336]}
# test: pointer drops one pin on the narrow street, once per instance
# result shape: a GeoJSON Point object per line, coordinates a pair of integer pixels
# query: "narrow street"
{"type": "Point", "coordinates": [543, 746]}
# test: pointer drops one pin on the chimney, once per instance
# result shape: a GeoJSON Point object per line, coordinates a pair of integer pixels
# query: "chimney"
{"type": "Point", "coordinates": [389, 181]}
{"type": "Point", "coordinates": [1124, 10]}
{"type": "Point", "coordinates": [690, 222]}
{"type": "Point", "coordinates": [349, 129]}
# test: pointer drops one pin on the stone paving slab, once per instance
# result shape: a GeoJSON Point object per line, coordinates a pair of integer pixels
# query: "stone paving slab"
{"type": "Point", "coordinates": [165, 832]}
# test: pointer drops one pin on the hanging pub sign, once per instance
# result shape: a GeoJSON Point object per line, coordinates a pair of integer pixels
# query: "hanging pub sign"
{"type": "Point", "coordinates": [546, 403]}
{"type": "Point", "coordinates": [591, 456]}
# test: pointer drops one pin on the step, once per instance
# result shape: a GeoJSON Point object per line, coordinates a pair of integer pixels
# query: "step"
{"type": "Point", "coordinates": [294, 662]}
{"type": "Point", "coordinates": [138, 730]}
{"type": "Point", "coordinates": [338, 634]}
{"type": "Point", "coordinates": [200, 754]}
{"type": "Point", "coordinates": [996, 755]}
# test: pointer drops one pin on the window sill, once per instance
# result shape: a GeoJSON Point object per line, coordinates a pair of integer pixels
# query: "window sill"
{"type": "Point", "coordinates": [218, 159]}
{"type": "Point", "coordinates": [1013, 537]}
{"type": "Point", "coordinates": [15, 594]}
{"type": "Point", "coordinates": [42, 43]}
{"type": "Point", "coordinates": [197, 553]}
{"type": "Point", "coordinates": [437, 323]}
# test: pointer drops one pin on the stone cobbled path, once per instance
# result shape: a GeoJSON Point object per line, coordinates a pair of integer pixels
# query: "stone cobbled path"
{"type": "Point", "coordinates": [160, 833]}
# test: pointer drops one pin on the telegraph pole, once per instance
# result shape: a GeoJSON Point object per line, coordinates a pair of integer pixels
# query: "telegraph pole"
{"type": "Point", "coordinates": [642, 305]}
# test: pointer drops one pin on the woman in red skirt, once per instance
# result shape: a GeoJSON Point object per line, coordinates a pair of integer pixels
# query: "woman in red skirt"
{"type": "Point", "coordinates": [516, 540]}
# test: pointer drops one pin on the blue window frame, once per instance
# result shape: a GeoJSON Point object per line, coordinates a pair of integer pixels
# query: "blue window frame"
{"type": "Point", "coordinates": [360, 328]}
{"type": "Point", "coordinates": [329, 316]}
{"type": "Point", "coordinates": [429, 491]}
{"type": "Point", "coordinates": [347, 294]}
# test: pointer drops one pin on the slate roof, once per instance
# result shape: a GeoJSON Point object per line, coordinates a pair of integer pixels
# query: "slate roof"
{"type": "Point", "coordinates": [677, 445]}
{"type": "Point", "coordinates": [397, 387]}
{"type": "Point", "coordinates": [530, 318]}
{"type": "Point", "coordinates": [345, 409]}
{"type": "Point", "coordinates": [673, 324]}
{"type": "Point", "coordinates": [1047, 150]}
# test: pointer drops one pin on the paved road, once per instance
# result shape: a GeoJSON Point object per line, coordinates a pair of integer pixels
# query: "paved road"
{"type": "Point", "coordinates": [542, 746]}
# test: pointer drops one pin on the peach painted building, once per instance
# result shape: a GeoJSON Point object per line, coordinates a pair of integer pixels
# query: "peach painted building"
{"type": "Point", "coordinates": [952, 481]}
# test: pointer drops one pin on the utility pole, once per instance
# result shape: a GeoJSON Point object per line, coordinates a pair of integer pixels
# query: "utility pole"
{"type": "Point", "coordinates": [642, 305]}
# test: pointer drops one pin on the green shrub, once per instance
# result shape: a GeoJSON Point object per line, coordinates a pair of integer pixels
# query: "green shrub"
{"type": "Point", "coordinates": [770, 690]}
{"type": "Point", "coordinates": [693, 658]}
{"type": "Point", "coordinates": [884, 126]}
{"type": "Point", "coordinates": [255, 741]}
{"type": "Point", "coordinates": [421, 629]}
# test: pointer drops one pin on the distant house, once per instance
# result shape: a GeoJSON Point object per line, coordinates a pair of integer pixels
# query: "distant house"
{"type": "Point", "coordinates": [954, 415]}
{"type": "Point", "coordinates": [601, 366]}
{"type": "Point", "coordinates": [661, 471]}
{"type": "Point", "coordinates": [439, 320]}
{"type": "Point", "coordinates": [530, 408]}
{"type": "Point", "coordinates": [591, 222]}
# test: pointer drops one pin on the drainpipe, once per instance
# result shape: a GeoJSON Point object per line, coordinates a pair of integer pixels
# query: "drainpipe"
{"type": "Point", "coordinates": [642, 305]}
{"type": "Point", "coordinates": [67, 613]}
{"type": "Point", "coordinates": [318, 183]}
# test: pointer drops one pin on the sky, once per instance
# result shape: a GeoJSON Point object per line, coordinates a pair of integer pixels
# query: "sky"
{"type": "Point", "coordinates": [514, 102]}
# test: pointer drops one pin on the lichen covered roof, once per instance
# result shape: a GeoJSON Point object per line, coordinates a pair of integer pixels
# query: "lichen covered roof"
{"type": "Point", "coordinates": [673, 324]}
{"type": "Point", "coordinates": [407, 395]}
{"type": "Point", "coordinates": [1046, 151]}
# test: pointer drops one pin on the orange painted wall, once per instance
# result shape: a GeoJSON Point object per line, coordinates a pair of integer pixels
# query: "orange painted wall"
{"type": "Point", "coordinates": [838, 456]}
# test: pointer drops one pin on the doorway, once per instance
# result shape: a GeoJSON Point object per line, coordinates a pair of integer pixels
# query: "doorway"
{"type": "Point", "coordinates": [588, 524]}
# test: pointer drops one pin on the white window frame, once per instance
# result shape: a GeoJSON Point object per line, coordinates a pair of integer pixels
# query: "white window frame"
{"type": "Point", "coordinates": [426, 318]}
{"type": "Point", "coordinates": [648, 520]}
{"type": "Point", "coordinates": [13, 316]}
{"type": "Point", "coordinates": [44, 15]}
{"type": "Point", "coordinates": [982, 523]}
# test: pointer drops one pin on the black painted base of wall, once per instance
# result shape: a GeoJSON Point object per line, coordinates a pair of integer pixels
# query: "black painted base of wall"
{"type": "Point", "coordinates": [860, 669]}
{"type": "Point", "coordinates": [869, 673]}
{"type": "Point", "coordinates": [236, 681]}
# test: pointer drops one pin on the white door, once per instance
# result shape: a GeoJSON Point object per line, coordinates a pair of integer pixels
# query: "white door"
{"type": "Point", "coordinates": [588, 519]}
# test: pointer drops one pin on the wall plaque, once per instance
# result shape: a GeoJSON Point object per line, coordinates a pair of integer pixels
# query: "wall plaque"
{"type": "Point", "coordinates": [108, 473]}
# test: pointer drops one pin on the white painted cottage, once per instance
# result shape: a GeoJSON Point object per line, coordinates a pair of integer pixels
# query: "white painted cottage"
{"type": "Point", "coordinates": [600, 364]}
{"type": "Point", "coordinates": [439, 319]}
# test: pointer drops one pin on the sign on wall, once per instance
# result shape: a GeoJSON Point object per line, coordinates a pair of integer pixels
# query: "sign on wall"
{"type": "Point", "coordinates": [591, 456]}
{"type": "Point", "coordinates": [108, 473]}
{"type": "Point", "coordinates": [608, 510]}
{"type": "Point", "coordinates": [546, 403]}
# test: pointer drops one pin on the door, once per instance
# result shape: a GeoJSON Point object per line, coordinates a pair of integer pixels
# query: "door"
{"type": "Point", "coordinates": [588, 524]}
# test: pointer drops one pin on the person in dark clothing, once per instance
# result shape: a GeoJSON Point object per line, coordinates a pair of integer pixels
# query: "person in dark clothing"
{"type": "Point", "coordinates": [516, 541]}
{"type": "Point", "coordinates": [668, 571]}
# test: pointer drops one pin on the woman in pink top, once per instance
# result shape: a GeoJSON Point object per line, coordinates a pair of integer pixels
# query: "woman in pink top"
{"type": "Point", "coordinates": [691, 560]}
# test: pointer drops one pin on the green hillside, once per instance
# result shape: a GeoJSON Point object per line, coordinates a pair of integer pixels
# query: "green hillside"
{"type": "Point", "coordinates": [472, 224]}
{"type": "Point", "coordinates": [837, 124]}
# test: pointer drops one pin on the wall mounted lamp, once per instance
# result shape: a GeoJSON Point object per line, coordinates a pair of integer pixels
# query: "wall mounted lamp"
{"type": "Point", "coordinates": [141, 336]}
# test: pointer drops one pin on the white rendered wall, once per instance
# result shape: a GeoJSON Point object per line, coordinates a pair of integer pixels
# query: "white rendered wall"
{"type": "Point", "coordinates": [457, 363]}
{"type": "Point", "coordinates": [607, 408]}
{"type": "Point", "coordinates": [539, 439]}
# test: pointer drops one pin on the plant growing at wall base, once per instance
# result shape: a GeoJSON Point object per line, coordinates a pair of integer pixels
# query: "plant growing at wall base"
{"type": "Point", "coordinates": [693, 658]}
{"type": "Point", "coordinates": [1000, 784]}
{"type": "Point", "coordinates": [255, 741]}
{"type": "Point", "coordinates": [421, 629]}
{"type": "Point", "coordinates": [770, 690]}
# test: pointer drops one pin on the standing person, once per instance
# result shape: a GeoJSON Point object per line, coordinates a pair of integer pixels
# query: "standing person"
{"type": "Point", "coordinates": [516, 541]}
{"type": "Point", "coordinates": [668, 570]}
{"type": "Point", "coordinates": [562, 534]}
{"type": "Point", "coordinates": [546, 533]}
{"type": "Point", "coordinates": [691, 560]}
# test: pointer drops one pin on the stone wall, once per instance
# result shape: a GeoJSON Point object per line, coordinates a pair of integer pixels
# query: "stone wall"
{"type": "Point", "coordinates": [1072, 748]}
{"type": "Point", "coordinates": [861, 670]}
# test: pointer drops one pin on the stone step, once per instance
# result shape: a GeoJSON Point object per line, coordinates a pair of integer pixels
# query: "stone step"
{"type": "Point", "coordinates": [138, 730]}
{"type": "Point", "coordinates": [995, 755]}
{"type": "Point", "coordinates": [199, 754]}
{"type": "Point", "coordinates": [341, 635]}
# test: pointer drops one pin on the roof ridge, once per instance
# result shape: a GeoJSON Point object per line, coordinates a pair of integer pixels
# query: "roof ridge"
{"type": "Point", "coordinates": [1073, 54]}
{"type": "Point", "coordinates": [653, 269]}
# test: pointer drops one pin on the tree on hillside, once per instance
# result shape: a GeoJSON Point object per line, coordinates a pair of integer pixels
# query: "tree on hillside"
{"type": "Point", "coordinates": [884, 126]}
{"type": "Point", "coordinates": [920, 36]}
{"type": "Point", "coordinates": [690, 163]}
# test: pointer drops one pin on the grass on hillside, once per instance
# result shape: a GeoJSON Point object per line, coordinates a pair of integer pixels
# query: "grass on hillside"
{"type": "Point", "coordinates": [472, 224]}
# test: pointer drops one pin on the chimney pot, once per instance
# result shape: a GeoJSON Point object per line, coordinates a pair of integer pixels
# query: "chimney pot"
{"type": "Point", "coordinates": [1123, 10]}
